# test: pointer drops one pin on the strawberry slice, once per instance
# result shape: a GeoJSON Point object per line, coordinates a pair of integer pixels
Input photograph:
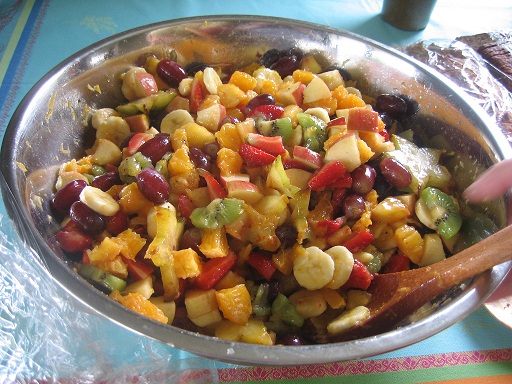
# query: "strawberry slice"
{"type": "Point", "coordinates": [271, 144]}
{"type": "Point", "coordinates": [196, 95]}
{"type": "Point", "coordinates": [327, 175]}
{"type": "Point", "coordinates": [358, 241]}
{"type": "Point", "coordinates": [255, 157]}
{"type": "Point", "coordinates": [263, 264]}
{"type": "Point", "coordinates": [215, 190]}
{"type": "Point", "coordinates": [397, 263]}
{"type": "Point", "coordinates": [214, 270]}
{"type": "Point", "coordinates": [328, 227]}
{"type": "Point", "coordinates": [267, 112]}
{"type": "Point", "coordinates": [345, 181]}
{"type": "Point", "coordinates": [360, 277]}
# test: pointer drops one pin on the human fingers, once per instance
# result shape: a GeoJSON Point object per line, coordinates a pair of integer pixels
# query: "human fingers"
{"type": "Point", "coordinates": [491, 184]}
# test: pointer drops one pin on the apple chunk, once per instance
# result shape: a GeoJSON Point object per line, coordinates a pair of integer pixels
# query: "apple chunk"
{"type": "Point", "coordinates": [291, 94]}
{"type": "Point", "coordinates": [316, 90]}
{"type": "Point", "coordinates": [244, 190]}
{"type": "Point", "coordinates": [346, 151]}
{"type": "Point", "coordinates": [211, 117]}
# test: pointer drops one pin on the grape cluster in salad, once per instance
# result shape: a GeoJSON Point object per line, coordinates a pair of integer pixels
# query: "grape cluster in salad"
{"type": "Point", "coordinates": [256, 205]}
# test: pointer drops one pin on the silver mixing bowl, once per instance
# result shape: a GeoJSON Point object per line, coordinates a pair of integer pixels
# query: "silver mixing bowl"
{"type": "Point", "coordinates": [47, 129]}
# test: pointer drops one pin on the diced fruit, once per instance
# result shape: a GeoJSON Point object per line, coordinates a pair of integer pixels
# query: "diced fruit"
{"type": "Point", "coordinates": [360, 277]}
{"type": "Point", "coordinates": [243, 190]}
{"type": "Point", "coordinates": [443, 211]}
{"type": "Point", "coordinates": [214, 270]}
{"type": "Point", "coordinates": [311, 159]}
{"type": "Point", "coordinates": [174, 120]}
{"type": "Point", "coordinates": [327, 175]}
{"type": "Point", "coordinates": [138, 303]}
{"type": "Point", "coordinates": [291, 94]}
{"type": "Point", "coordinates": [298, 177]}
{"type": "Point", "coordinates": [255, 157]}
{"type": "Point", "coordinates": [216, 214]}
{"type": "Point", "coordinates": [346, 151]}
{"type": "Point", "coordinates": [211, 117]}
{"type": "Point", "coordinates": [390, 210]}
{"type": "Point", "coordinates": [263, 264]}
{"type": "Point", "coordinates": [202, 307]}
{"type": "Point", "coordinates": [433, 250]}
{"type": "Point", "coordinates": [214, 243]}
{"type": "Point", "coordinates": [101, 278]}
{"type": "Point", "coordinates": [313, 268]}
{"type": "Point", "coordinates": [308, 303]}
{"type": "Point", "coordinates": [410, 242]}
{"type": "Point", "coordinates": [316, 90]}
{"type": "Point", "coordinates": [270, 144]}
{"type": "Point", "coordinates": [362, 119]}
{"type": "Point", "coordinates": [235, 303]}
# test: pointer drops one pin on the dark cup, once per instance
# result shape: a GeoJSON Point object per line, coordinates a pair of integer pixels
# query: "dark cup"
{"type": "Point", "coordinates": [410, 15]}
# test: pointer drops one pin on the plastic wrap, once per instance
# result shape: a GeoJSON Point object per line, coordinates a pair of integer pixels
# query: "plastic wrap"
{"type": "Point", "coordinates": [460, 61]}
{"type": "Point", "coordinates": [48, 336]}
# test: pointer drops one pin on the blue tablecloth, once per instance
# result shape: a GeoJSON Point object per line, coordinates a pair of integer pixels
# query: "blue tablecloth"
{"type": "Point", "coordinates": [35, 36]}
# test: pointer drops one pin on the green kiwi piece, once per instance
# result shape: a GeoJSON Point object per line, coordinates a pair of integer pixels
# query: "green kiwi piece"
{"type": "Point", "coordinates": [443, 210]}
{"type": "Point", "coordinates": [282, 127]}
{"type": "Point", "coordinates": [216, 214]}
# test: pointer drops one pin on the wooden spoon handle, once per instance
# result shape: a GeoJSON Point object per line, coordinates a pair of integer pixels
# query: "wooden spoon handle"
{"type": "Point", "coordinates": [491, 251]}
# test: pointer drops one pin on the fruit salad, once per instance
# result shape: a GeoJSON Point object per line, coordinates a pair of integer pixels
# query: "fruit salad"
{"type": "Point", "coordinates": [256, 205]}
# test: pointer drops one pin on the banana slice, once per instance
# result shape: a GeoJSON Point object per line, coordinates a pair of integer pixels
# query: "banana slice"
{"type": "Point", "coordinates": [174, 120]}
{"type": "Point", "coordinates": [99, 201]}
{"type": "Point", "coordinates": [343, 264]}
{"type": "Point", "coordinates": [211, 80]}
{"type": "Point", "coordinates": [423, 214]}
{"type": "Point", "coordinates": [313, 268]}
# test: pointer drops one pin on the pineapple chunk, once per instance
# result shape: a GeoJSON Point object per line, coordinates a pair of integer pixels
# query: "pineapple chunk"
{"type": "Point", "coordinates": [202, 307]}
{"type": "Point", "coordinates": [165, 229]}
{"type": "Point", "coordinates": [228, 330]}
{"type": "Point", "coordinates": [197, 135]}
{"type": "Point", "coordinates": [255, 332]}
{"type": "Point", "coordinates": [132, 200]}
{"type": "Point", "coordinates": [390, 210]}
{"type": "Point", "coordinates": [410, 242]}
{"type": "Point", "coordinates": [333, 298]}
{"type": "Point", "coordinates": [235, 303]}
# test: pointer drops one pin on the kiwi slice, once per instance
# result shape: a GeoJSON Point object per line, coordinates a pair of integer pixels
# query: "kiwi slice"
{"type": "Point", "coordinates": [443, 210]}
{"type": "Point", "coordinates": [282, 127]}
{"type": "Point", "coordinates": [216, 214]}
{"type": "Point", "coordinates": [101, 279]}
{"type": "Point", "coordinates": [314, 131]}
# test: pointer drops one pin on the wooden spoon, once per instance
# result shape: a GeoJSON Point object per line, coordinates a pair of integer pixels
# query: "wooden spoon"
{"type": "Point", "coordinates": [397, 295]}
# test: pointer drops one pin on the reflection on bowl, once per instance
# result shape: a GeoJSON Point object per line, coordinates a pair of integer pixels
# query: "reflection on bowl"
{"type": "Point", "coordinates": [57, 107]}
